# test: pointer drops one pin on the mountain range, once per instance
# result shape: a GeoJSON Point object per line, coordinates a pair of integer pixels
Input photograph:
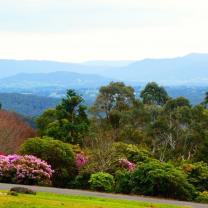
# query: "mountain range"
{"type": "Point", "coordinates": [59, 79]}
{"type": "Point", "coordinates": [188, 70]}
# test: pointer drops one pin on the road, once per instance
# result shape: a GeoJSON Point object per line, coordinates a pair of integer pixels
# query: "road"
{"type": "Point", "coordinates": [105, 195]}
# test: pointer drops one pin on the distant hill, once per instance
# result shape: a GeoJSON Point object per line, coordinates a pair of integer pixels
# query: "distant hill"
{"type": "Point", "coordinates": [188, 70]}
{"type": "Point", "coordinates": [60, 79]}
{"type": "Point", "coordinates": [13, 67]}
{"type": "Point", "coordinates": [27, 105]}
{"type": "Point", "coordinates": [30, 105]}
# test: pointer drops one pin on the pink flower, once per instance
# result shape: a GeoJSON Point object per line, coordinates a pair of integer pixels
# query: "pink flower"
{"type": "Point", "coordinates": [21, 169]}
{"type": "Point", "coordinates": [81, 160]}
{"type": "Point", "coordinates": [127, 164]}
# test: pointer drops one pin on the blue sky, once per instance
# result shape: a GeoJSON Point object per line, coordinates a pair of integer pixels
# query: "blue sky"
{"type": "Point", "coordinates": [79, 30]}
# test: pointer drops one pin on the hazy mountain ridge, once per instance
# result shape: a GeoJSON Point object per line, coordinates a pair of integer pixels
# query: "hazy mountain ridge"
{"type": "Point", "coordinates": [191, 70]}
{"type": "Point", "coordinates": [188, 70]}
{"type": "Point", "coordinates": [60, 79]}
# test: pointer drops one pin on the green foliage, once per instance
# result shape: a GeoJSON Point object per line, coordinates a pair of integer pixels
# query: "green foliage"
{"type": "Point", "coordinates": [67, 122]}
{"type": "Point", "coordinates": [173, 104]}
{"type": "Point", "coordinates": [102, 181]}
{"type": "Point", "coordinates": [202, 197]}
{"type": "Point", "coordinates": [58, 154]}
{"type": "Point", "coordinates": [161, 179]}
{"type": "Point", "coordinates": [154, 94]}
{"type": "Point", "coordinates": [145, 132]}
{"type": "Point", "coordinates": [28, 105]}
{"type": "Point", "coordinates": [82, 181]}
{"type": "Point", "coordinates": [132, 152]}
{"type": "Point", "coordinates": [178, 130]}
{"type": "Point", "coordinates": [111, 101]}
{"type": "Point", "coordinates": [197, 175]}
{"type": "Point", "coordinates": [122, 181]}
{"type": "Point", "coordinates": [132, 135]}
{"type": "Point", "coordinates": [205, 101]}
{"type": "Point", "coordinates": [102, 157]}
{"type": "Point", "coordinates": [45, 119]}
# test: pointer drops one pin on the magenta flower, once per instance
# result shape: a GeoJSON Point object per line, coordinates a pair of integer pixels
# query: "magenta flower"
{"type": "Point", "coordinates": [127, 164]}
{"type": "Point", "coordinates": [26, 169]}
{"type": "Point", "coordinates": [81, 160]}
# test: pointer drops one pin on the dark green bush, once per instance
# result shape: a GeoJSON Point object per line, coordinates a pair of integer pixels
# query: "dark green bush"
{"type": "Point", "coordinates": [122, 181]}
{"type": "Point", "coordinates": [197, 175]}
{"type": "Point", "coordinates": [58, 154]}
{"type": "Point", "coordinates": [161, 179]}
{"type": "Point", "coordinates": [203, 197]}
{"type": "Point", "coordinates": [102, 181]}
{"type": "Point", "coordinates": [82, 181]}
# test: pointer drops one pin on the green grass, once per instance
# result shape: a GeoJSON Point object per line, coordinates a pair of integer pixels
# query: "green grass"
{"type": "Point", "coordinates": [46, 200]}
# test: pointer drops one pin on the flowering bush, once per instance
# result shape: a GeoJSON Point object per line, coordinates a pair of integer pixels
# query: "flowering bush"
{"type": "Point", "coordinates": [26, 169]}
{"type": "Point", "coordinates": [127, 164]}
{"type": "Point", "coordinates": [81, 160]}
{"type": "Point", "coordinates": [56, 153]}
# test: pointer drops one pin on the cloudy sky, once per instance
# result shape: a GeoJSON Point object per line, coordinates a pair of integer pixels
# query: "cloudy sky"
{"type": "Point", "coordinates": [80, 30]}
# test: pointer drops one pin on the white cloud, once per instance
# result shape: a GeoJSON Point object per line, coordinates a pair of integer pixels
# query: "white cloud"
{"type": "Point", "coordinates": [76, 30]}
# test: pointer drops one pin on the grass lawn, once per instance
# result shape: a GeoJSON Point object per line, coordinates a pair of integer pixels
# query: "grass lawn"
{"type": "Point", "coordinates": [46, 200]}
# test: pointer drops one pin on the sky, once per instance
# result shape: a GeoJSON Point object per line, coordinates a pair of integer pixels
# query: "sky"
{"type": "Point", "coordinates": [82, 30]}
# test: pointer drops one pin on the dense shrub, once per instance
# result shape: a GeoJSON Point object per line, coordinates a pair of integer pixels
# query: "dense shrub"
{"type": "Point", "coordinates": [56, 153]}
{"type": "Point", "coordinates": [161, 179]}
{"type": "Point", "coordinates": [82, 181]}
{"type": "Point", "coordinates": [102, 182]}
{"type": "Point", "coordinates": [132, 152]}
{"type": "Point", "coordinates": [122, 181]}
{"type": "Point", "coordinates": [203, 197]}
{"type": "Point", "coordinates": [26, 169]}
{"type": "Point", "coordinates": [197, 175]}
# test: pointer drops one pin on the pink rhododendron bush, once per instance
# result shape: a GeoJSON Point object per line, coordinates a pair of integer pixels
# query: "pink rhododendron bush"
{"type": "Point", "coordinates": [26, 169]}
{"type": "Point", "coordinates": [127, 164]}
{"type": "Point", "coordinates": [81, 160]}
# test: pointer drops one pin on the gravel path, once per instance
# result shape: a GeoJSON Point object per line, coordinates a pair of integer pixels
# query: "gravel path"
{"type": "Point", "coordinates": [105, 195]}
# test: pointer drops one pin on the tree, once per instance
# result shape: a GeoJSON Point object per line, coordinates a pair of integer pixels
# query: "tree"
{"type": "Point", "coordinates": [45, 119]}
{"type": "Point", "coordinates": [173, 104]}
{"type": "Point", "coordinates": [112, 101]}
{"type": "Point", "coordinates": [205, 102]}
{"type": "Point", "coordinates": [115, 96]}
{"type": "Point", "coordinates": [67, 122]}
{"type": "Point", "coordinates": [178, 131]}
{"type": "Point", "coordinates": [13, 132]}
{"type": "Point", "coordinates": [154, 94]}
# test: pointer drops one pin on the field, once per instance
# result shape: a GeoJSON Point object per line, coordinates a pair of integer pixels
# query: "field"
{"type": "Point", "coordinates": [44, 200]}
